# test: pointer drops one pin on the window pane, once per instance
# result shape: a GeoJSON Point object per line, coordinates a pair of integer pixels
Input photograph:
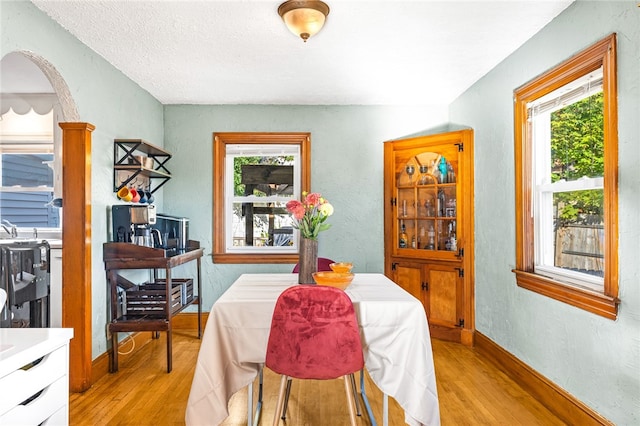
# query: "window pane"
{"type": "Point", "coordinates": [27, 170]}
{"type": "Point", "coordinates": [579, 231]}
{"type": "Point", "coordinates": [263, 176]}
{"type": "Point", "coordinates": [577, 140]}
{"type": "Point", "coordinates": [569, 141]}
{"type": "Point", "coordinates": [577, 151]}
{"type": "Point", "coordinates": [261, 224]}
{"type": "Point", "coordinates": [28, 208]}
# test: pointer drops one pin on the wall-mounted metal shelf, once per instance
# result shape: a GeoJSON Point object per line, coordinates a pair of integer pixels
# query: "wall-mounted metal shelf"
{"type": "Point", "coordinates": [129, 170]}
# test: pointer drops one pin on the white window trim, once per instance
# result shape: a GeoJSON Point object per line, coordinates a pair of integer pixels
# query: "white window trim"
{"type": "Point", "coordinates": [241, 150]}
{"type": "Point", "coordinates": [542, 195]}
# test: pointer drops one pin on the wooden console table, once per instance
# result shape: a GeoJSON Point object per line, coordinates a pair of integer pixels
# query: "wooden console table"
{"type": "Point", "coordinates": [152, 304]}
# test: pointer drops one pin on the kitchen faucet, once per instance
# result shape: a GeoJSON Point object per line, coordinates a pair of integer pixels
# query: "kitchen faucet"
{"type": "Point", "coordinates": [10, 228]}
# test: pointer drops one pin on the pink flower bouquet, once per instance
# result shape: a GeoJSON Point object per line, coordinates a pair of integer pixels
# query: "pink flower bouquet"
{"type": "Point", "coordinates": [310, 214]}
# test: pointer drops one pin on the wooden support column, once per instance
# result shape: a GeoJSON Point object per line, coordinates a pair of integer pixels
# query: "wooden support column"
{"type": "Point", "coordinates": [76, 250]}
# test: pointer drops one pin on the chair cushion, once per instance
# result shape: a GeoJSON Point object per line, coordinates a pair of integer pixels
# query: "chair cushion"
{"type": "Point", "coordinates": [314, 334]}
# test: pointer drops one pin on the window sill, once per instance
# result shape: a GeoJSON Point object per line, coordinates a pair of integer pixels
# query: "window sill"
{"type": "Point", "coordinates": [255, 258]}
{"type": "Point", "coordinates": [591, 301]}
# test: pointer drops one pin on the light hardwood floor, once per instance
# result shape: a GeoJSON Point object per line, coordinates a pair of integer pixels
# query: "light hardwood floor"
{"type": "Point", "coordinates": [470, 389]}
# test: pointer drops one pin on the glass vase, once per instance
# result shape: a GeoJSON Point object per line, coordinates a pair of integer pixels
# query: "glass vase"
{"type": "Point", "coordinates": [308, 261]}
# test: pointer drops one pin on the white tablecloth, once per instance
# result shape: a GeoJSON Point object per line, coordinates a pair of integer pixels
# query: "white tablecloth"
{"type": "Point", "coordinates": [395, 338]}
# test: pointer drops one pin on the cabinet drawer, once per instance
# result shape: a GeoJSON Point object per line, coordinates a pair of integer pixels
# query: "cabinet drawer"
{"type": "Point", "coordinates": [24, 383]}
{"type": "Point", "coordinates": [60, 417]}
{"type": "Point", "coordinates": [44, 406]}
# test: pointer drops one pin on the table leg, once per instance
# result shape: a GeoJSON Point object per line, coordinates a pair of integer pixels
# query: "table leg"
{"type": "Point", "coordinates": [366, 400]}
{"type": "Point", "coordinates": [199, 298]}
{"type": "Point", "coordinates": [354, 391]}
{"type": "Point", "coordinates": [250, 414]}
{"type": "Point", "coordinates": [385, 410]}
{"type": "Point", "coordinates": [249, 403]}
{"type": "Point", "coordinates": [169, 360]}
{"type": "Point", "coordinates": [114, 352]}
{"type": "Point", "coordinates": [167, 308]}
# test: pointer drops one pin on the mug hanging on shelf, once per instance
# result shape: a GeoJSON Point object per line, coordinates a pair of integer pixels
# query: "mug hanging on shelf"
{"type": "Point", "coordinates": [136, 196]}
{"type": "Point", "coordinates": [150, 197]}
{"type": "Point", "coordinates": [124, 194]}
{"type": "Point", "coordinates": [143, 196]}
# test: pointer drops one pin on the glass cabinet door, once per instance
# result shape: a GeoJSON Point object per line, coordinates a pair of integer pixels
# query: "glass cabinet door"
{"type": "Point", "coordinates": [426, 202]}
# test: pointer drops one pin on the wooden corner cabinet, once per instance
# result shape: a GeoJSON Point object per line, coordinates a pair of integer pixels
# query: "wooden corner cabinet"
{"type": "Point", "coordinates": [428, 224]}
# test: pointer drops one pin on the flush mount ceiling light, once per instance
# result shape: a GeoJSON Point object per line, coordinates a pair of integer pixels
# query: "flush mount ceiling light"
{"type": "Point", "coordinates": [304, 18]}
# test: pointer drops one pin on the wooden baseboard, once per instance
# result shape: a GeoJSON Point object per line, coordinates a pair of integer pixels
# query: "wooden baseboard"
{"type": "Point", "coordinates": [560, 402]}
{"type": "Point", "coordinates": [450, 334]}
{"type": "Point", "coordinates": [182, 321]}
{"type": "Point", "coordinates": [188, 321]}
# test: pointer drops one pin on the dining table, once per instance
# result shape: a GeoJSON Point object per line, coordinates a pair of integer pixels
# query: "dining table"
{"type": "Point", "coordinates": [394, 333]}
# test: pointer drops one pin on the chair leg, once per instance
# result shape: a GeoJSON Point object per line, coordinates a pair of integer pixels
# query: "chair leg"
{"type": "Point", "coordinates": [354, 388]}
{"type": "Point", "coordinates": [278, 410]}
{"type": "Point", "coordinates": [286, 400]}
{"type": "Point", "coordinates": [350, 403]}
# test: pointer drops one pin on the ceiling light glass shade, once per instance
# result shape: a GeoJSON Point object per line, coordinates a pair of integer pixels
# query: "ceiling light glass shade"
{"type": "Point", "coordinates": [304, 18]}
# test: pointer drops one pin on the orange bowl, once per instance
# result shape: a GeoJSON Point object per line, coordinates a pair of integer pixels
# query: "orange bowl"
{"type": "Point", "coordinates": [340, 280]}
{"type": "Point", "coordinates": [344, 267]}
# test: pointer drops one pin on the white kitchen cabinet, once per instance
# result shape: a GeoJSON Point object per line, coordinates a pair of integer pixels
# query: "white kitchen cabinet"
{"type": "Point", "coordinates": [34, 376]}
{"type": "Point", "coordinates": [55, 286]}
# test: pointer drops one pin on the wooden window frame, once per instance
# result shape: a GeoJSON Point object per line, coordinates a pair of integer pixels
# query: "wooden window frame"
{"type": "Point", "coordinates": [602, 53]}
{"type": "Point", "coordinates": [220, 142]}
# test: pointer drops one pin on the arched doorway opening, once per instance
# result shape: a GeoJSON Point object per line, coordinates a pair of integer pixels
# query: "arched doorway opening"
{"type": "Point", "coordinates": [71, 149]}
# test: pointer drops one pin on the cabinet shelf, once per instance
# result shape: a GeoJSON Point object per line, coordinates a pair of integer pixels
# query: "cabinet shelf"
{"type": "Point", "coordinates": [429, 185]}
{"type": "Point", "coordinates": [426, 218]}
{"type": "Point", "coordinates": [129, 170]}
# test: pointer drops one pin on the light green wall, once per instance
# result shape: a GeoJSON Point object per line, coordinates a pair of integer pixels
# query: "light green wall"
{"type": "Point", "coordinates": [346, 152]}
{"type": "Point", "coordinates": [105, 98]}
{"type": "Point", "coordinates": [595, 359]}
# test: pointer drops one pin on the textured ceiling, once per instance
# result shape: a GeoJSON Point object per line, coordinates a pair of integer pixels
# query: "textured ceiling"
{"type": "Point", "coordinates": [239, 52]}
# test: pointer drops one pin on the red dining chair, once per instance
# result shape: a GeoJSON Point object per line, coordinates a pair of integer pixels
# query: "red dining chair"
{"type": "Point", "coordinates": [323, 265]}
{"type": "Point", "coordinates": [314, 335]}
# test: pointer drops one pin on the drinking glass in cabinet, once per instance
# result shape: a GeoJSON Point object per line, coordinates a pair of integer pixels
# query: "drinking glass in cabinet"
{"type": "Point", "coordinates": [406, 203]}
{"type": "Point", "coordinates": [426, 235]}
{"type": "Point", "coordinates": [426, 178]}
{"type": "Point", "coordinates": [410, 169]}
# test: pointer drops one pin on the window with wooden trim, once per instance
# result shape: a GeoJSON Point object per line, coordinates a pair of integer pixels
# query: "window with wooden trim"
{"type": "Point", "coordinates": [566, 148]}
{"type": "Point", "coordinates": [255, 174]}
